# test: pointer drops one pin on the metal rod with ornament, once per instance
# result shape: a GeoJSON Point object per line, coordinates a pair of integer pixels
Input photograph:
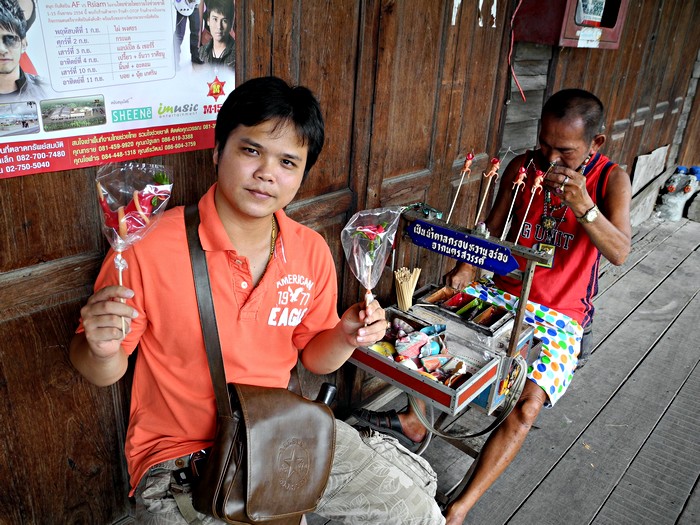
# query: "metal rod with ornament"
{"type": "Point", "coordinates": [537, 185]}
{"type": "Point", "coordinates": [466, 171]}
{"type": "Point", "coordinates": [517, 186]}
{"type": "Point", "coordinates": [491, 174]}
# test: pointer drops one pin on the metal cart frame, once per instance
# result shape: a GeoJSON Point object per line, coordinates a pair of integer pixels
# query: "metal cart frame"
{"type": "Point", "coordinates": [476, 247]}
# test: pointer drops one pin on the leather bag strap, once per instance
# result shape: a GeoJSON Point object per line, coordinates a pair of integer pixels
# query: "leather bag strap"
{"type": "Point", "coordinates": [205, 305]}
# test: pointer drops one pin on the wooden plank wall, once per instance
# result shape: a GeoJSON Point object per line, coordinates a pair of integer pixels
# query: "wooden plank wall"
{"type": "Point", "coordinates": [61, 447]}
{"type": "Point", "coordinates": [406, 90]}
{"type": "Point", "coordinates": [643, 84]}
{"type": "Point", "coordinates": [400, 108]}
{"type": "Point", "coordinates": [690, 134]}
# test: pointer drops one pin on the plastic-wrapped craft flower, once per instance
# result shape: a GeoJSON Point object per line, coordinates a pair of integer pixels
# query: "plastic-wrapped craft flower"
{"type": "Point", "coordinates": [367, 239]}
{"type": "Point", "coordinates": [131, 196]}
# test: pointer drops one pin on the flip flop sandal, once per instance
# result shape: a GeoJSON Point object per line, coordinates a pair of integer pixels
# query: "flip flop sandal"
{"type": "Point", "coordinates": [387, 423]}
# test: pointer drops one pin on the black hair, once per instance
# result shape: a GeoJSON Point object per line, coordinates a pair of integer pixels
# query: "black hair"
{"type": "Point", "coordinates": [224, 7]}
{"type": "Point", "coordinates": [577, 103]}
{"type": "Point", "coordinates": [270, 98]}
{"type": "Point", "coordinates": [32, 17]}
{"type": "Point", "coordinates": [12, 18]}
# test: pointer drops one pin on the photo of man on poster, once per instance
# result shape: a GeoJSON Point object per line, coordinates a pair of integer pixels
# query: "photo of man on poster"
{"type": "Point", "coordinates": [30, 14]}
{"type": "Point", "coordinates": [15, 83]}
{"type": "Point", "coordinates": [221, 49]}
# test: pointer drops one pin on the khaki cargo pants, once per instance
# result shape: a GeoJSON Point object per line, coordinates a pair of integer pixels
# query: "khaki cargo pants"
{"type": "Point", "coordinates": [374, 480]}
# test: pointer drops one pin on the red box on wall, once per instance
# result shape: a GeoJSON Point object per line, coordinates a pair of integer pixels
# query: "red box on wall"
{"type": "Point", "coordinates": [571, 23]}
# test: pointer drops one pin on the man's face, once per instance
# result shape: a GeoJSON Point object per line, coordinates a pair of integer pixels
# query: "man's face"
{"type": "Point", "coordinates": [563, 141]}
{"type": "Point", "coordinates": [260, 170]}
{"type": "Point", "coordinates": [219, 26]}
{"type": "Point", "coordinates": [11, 47]}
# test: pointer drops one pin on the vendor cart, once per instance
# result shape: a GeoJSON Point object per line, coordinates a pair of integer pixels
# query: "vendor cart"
{"type": "Point", "coordinates": [493, 354]}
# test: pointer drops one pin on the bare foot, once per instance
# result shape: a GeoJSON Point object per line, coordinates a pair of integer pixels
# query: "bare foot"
{"type": "Point", "coordinates": [413, 429]}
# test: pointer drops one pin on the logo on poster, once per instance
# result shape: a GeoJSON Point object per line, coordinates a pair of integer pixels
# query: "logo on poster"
{"type": "Point", "coordinates": [127, 115]}
{"type": "Point", "coordinates": [211, 108]}
{"type": "Point", "coordinates": [167, 111]}
{"type": "Point", "coordinates": [216, 88]}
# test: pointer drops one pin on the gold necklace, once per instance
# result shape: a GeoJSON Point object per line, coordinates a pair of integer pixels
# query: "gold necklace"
{"type": "Point", "coordinates": [273, 238]}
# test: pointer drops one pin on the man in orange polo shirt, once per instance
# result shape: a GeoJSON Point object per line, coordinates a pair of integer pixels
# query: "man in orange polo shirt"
{"type": "Point", "coordinates": [275, 293]}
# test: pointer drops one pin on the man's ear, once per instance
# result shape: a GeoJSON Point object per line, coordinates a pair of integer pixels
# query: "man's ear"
{"type": "Point", "coordinates": [215, 157]}
{"type": "Point", "coordinates": [597, 143]}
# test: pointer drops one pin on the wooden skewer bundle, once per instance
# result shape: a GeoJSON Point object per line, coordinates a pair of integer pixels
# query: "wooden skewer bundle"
{"type": "Point", "coordinates": [406, 281]}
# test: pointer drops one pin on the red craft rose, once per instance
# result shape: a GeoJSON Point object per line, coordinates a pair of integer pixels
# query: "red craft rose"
{"type": "Point", "coordinates": [371, 232]}
{"type": "Point", "coordinates": [137, 213]}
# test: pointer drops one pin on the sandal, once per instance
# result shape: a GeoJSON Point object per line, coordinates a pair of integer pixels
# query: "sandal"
{"type": "Point", "coordinates": [387, 423]}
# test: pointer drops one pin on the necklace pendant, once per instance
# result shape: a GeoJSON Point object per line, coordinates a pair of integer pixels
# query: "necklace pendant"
{"type": "Point", "coordinates": [548, 222]}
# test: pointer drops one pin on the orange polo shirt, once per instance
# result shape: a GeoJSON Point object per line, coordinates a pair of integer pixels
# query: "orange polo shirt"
{"type": "Point", "coordinates": [261, 329]}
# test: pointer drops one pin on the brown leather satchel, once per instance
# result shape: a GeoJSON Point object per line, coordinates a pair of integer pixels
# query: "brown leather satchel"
{"type": "Point", "coordinates": [273, 449]}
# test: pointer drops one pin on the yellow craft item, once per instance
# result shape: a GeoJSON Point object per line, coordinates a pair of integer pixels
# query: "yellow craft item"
{"type": "Point", "coordinates": [383, 347]}
{"type": "Point", "coordinates": [428, 374]}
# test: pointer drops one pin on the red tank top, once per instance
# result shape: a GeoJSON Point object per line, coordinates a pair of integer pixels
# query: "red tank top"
{"type": "Point", "coordinates": [571, 283]}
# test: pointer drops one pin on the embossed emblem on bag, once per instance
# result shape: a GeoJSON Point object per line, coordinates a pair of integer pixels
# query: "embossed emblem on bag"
{"type": "Point", "coordinates": [293, 464]}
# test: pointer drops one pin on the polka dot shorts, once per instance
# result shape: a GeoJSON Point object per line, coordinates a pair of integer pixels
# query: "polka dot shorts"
{"type": "Point", "coordinates": [560, 334]}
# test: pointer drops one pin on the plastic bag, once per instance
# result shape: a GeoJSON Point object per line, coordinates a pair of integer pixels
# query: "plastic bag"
{"type": "Point", "coordinates": [679, 189]}
{"type": "Point", "coordinates": [367, 239]}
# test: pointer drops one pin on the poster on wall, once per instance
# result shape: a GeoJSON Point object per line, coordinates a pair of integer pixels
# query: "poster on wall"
{"type": "Point", "coordinates": [86, 82]}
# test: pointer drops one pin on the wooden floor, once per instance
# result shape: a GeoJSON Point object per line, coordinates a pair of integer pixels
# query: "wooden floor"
{"type": "Point", "coordinates": [623, 445]}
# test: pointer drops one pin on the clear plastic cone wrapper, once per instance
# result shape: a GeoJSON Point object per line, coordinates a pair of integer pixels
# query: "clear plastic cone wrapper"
{"type": "Point", "coordinates": [368, 239]}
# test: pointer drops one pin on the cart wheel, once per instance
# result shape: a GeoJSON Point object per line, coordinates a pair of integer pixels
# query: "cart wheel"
{"type": "Point", "coordinates": [511, 399]}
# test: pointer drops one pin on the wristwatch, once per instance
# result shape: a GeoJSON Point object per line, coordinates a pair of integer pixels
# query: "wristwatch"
{"type": "Point", "coordinates": [590, 216]}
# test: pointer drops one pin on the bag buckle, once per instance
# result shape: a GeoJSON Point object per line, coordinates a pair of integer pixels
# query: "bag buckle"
{"type": "Point", "coordinates": [187, 475]}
